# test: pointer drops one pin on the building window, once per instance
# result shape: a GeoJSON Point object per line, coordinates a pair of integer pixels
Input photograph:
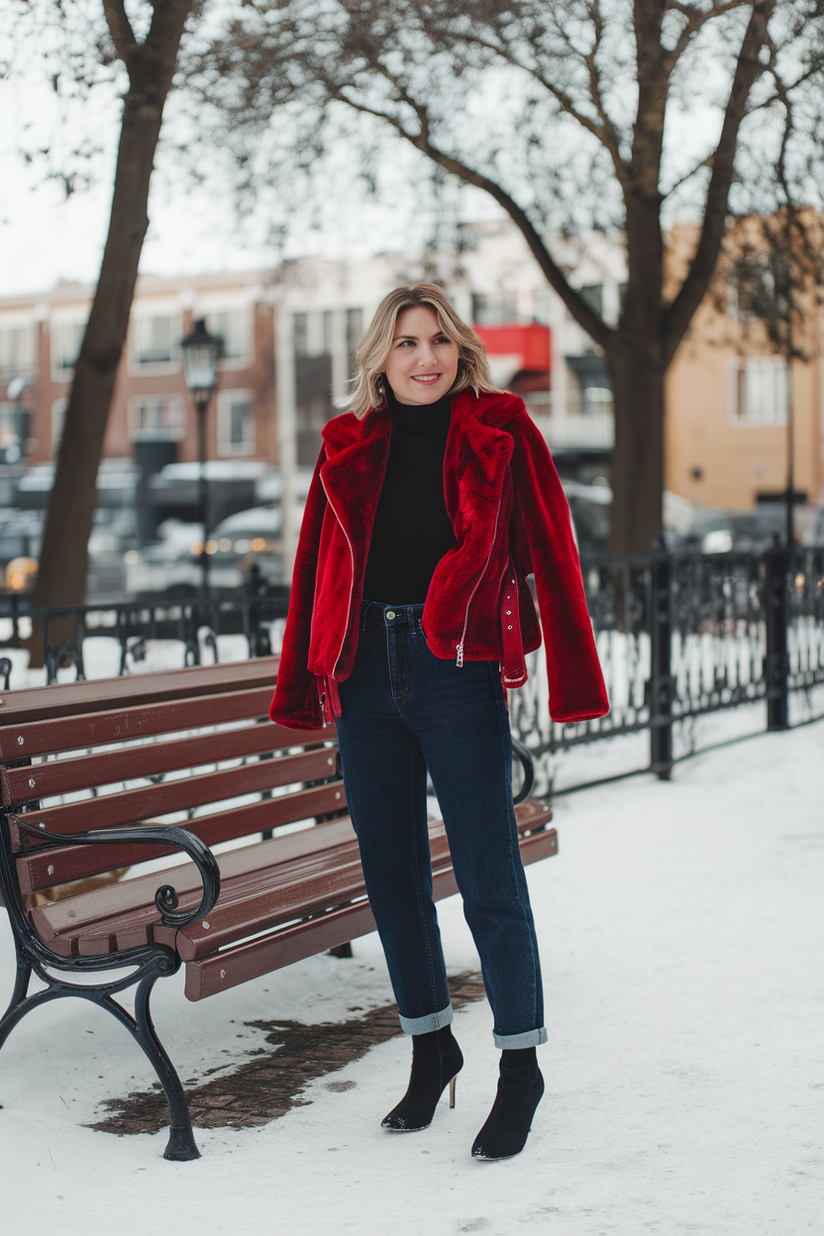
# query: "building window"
{"type": "Point", "coordinates": [758, 391]}
{"type": "Point", "coordinates": [300, 333]}
{"type": "Point", "coordinates": [58, 419]}
{"type": "Point", "coordinates": [759, 289]}
{"type": "Point", "coordinates": [156, 417]}
{"type": "Point", "coordinates": [155, 340]}
{"type": "Point", "coordinates": [235, 423]}
{"type": "Point", "coordinates": [326, 332]}
{"type": "Point", "coordinates": [593, 295]}
{"type": "Point", "coordinates": [354, 329]}
{"type": "Point", "coordinates": [12, 433]}
{"type": "Point", "coordinates": [541, 306]}
{"type": "Point", "coordinates": [66, 338]}
{"type": "Point", "coordinates": [313, 404]}
{"type": "Point", "coordinates": [17, 352]}
{"type": "Point", "coordinates": [497, 309]}
{"type": "Point", "coordinates": [234, 328]}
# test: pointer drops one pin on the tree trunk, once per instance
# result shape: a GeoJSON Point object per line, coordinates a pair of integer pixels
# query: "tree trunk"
{"type": "Point", "coordinates": [635, 354]}
{"type": "Point", "coordinates": [637, 472]}
{"type": "Point", "coordinates": [61, 578]}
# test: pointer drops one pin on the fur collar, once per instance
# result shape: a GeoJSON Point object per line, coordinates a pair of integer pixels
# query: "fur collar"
{"type": "Point", "coordinates": [478, 450]}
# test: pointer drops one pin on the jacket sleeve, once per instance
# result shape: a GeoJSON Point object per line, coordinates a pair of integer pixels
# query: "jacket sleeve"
{"type": "Point", "coordinates": [576, 683]}
{"type": "Point", "coordinates": [296, 702]}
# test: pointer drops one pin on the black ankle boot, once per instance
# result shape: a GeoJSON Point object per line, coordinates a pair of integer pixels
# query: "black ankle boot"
{"type": "Point", "coordinates": [520, 1088]}
{"type": "Point", "coordinates": [436, 1060]}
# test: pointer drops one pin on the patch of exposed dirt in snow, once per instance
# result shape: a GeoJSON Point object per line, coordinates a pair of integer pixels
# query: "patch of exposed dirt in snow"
{"type": "Point", "coordinates": [267, 1086]}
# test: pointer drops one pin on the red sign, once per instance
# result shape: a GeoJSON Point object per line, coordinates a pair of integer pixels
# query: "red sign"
{"type": "Point", "coordinates": [531, 343]}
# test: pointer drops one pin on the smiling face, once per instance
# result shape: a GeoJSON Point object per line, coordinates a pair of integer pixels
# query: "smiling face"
{"type": "Point", "coordinates": [423, 362]}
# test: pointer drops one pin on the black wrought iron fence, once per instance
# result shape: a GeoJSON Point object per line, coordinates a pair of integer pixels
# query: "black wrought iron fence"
{"type": "Point", "coordinates": [683, 638]}
{"type": "Point", "coordinates": [193, 628]}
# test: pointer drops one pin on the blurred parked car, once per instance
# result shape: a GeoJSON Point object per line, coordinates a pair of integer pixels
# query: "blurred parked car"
{"type": "Point", "coordinates": [715, 531]}
{"type": "Point", "coordinates": [590, 506]}
{"type": "Point", "coordinates": [172, 565]}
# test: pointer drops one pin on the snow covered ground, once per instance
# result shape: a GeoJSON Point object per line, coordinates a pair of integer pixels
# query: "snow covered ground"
{"type": "Point", "coordinates": [682, 935]}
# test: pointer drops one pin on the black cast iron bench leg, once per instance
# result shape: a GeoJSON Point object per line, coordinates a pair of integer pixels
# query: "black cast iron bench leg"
{"type": "Point", "coordinates": [181, 1145]}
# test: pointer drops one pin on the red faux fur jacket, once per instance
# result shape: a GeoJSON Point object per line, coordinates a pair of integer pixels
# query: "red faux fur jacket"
{"type": "Point", "coordinates": [506, 504]}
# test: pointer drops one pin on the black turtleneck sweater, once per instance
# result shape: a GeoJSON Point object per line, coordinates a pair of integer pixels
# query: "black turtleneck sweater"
{"type": "Point", "coordinates": [412, 530]}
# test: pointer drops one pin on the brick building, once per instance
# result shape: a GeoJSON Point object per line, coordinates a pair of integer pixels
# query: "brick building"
{"type": "Point", "coordinates": [40, 336]}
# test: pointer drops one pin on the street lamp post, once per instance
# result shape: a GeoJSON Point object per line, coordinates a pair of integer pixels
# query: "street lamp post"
{"type": "Point", "coordinates": [201, 353]}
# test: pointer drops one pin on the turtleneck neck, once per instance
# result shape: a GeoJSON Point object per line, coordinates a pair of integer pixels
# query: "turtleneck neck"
{"type": "Point", "coordinates": [411, 531]}
{"type": "Point", "coordinates": [420, 420]}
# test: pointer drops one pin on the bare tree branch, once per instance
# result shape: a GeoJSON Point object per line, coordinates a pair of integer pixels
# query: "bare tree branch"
{"type": "Point", "coordinates": [692, 291]}
{"type": "Point", "coordinates": [696, 20]}
{"type": "Point", "coordinates": [120, 28]}
{"type": "Point", "coordinates": [591, 322]}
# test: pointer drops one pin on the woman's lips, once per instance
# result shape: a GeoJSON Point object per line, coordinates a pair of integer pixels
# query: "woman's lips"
{"type": "Point", "coordinates": [425, 377]}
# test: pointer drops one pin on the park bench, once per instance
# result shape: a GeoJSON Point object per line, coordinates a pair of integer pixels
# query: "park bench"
{"type": "Point", "coordinates": [98, 777]}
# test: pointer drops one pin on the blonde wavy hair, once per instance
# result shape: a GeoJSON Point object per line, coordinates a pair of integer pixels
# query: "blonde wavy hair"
{"type": "Point", "coordinates": [370, 386]}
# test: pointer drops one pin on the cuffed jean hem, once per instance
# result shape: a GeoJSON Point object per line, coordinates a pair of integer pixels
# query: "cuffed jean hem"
{"type": "Point", "coordinates": [514, 1042]}
{"type": "Point", "coordinates": [425, 1025]}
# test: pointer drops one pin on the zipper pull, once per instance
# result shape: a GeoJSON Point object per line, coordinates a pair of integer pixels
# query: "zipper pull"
{"type": "Point", "coordinates": [459, 659]}
{"type": "Point", "coordinates": [323, 706]}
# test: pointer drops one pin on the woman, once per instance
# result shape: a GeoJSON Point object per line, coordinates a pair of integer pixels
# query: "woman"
{"type": "Point", "coordinates": [433, 499]}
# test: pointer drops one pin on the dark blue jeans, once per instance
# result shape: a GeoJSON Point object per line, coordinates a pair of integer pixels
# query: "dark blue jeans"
{"type": "Point", "coordinates": [404, 711]}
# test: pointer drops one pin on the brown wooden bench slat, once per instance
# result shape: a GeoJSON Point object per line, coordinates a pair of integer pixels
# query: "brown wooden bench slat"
{"type": "Point", "coordinates": [253, 958]}
{"type": "Point", "coordinates": [108, 920]}
{"type": "Point", "coordinates": [133, 895]}
{"type": "Point", "coordinates": [311, 885]}
{"type": "Point", "coordinates": [245, 886]}
{"type": "Point", "coordinates": [181, 794]}
{"type": "Point", "coordinates": [317, 881]}
{"type": "Point", "coordinates": [123, 724]}
{"type": "Point", "coordinates": [314, 883]}
{"type": "Point", "coordinates": [52, 777]}
{"type": "Point", "coordinates": [259, 901]}
{"type": "Point", "coordinates": [44, 868]}
{"type": "Point", "coordinates": [97, 695]}
{"type": "Point", "coordinates": [255, 905]}
{"type": "Point", "coordinates": [257, 957]}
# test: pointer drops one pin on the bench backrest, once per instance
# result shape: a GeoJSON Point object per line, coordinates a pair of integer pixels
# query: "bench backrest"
{"type": "Point", "coordinates": [192, 747]}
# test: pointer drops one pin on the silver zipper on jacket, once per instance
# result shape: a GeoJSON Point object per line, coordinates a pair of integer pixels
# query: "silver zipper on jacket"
{"type": "Point", "coordinates": [351, 579]}
{"type": "Point", "coordinates": [459, 648]}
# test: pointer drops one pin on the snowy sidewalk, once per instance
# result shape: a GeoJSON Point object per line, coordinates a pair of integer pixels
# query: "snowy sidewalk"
{"type": "Point", "coordinates": [682, 933]}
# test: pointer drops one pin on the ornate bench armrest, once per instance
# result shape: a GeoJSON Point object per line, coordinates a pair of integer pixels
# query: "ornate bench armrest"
{"type": "Point", "coordinates": [166, 898]}
{"type": "Point", "coordinates": [524, 757]}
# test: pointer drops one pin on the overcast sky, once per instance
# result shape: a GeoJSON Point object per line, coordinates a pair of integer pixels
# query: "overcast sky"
{"type": "Point", "coordinates": [45, 238]}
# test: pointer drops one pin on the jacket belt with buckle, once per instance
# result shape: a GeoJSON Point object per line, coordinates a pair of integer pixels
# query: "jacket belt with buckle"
{"type": "Point", "coordinates": [513, 664]}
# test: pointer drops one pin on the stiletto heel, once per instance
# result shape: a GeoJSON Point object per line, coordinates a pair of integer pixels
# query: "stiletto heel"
{"type": "Point", "coordinates": [436, 1059]}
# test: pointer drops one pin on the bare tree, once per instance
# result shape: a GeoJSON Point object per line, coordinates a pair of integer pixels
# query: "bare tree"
{"type": "Point", "coordinates": [150, 64]}
{"type": "Point", "coordinates": [572, 115]}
